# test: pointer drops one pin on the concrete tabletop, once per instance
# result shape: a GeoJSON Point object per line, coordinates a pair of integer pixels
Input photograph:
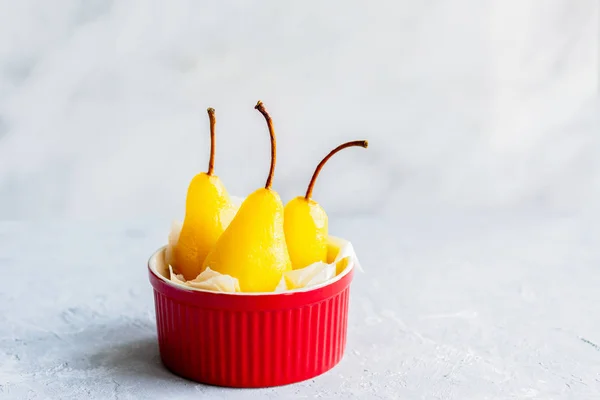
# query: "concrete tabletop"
{"type": "Point", "coordinates": [450, 307]}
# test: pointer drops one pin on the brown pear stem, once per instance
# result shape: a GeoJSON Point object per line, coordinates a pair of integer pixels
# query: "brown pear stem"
{"type": "Point", "coordinates": [311, 185]}
{"type": "Point", "coordinates": [213, 121]}
{"type": "Point", "coordinates": [260, 107]}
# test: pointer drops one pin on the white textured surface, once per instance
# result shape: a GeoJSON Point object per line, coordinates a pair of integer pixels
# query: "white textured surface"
{"type": "Point", "coordinates": [503, 306]}
{"type": "Point", "coordinates": [474, 211]}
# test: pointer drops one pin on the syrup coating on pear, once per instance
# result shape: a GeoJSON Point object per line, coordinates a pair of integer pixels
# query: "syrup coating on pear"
{"type": "Point", "coordinates": [253, 248]}
{"type": "Point", "coordinates": [306, 222]}
{"type": "Point", "coordinates": [208, 212]}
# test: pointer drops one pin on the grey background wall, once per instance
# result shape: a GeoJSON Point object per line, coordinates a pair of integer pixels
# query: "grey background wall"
{"type": "Point", "coordinates": [467, 104]}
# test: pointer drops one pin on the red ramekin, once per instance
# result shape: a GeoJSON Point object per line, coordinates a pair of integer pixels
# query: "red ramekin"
{"type": "Point", "coordinates": [249, 339]}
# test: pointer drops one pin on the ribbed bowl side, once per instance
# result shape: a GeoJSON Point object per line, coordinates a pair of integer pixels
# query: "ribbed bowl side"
{"type": "Point", "coordinates": [242, 348]}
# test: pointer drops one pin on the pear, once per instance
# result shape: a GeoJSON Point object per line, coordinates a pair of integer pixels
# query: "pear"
{"type": "Point", "coordinates": [306, 223]}
{"type": "Point", "coordinates": [208, 211]}
{"type": "Point", "coordinates": [253, 248]}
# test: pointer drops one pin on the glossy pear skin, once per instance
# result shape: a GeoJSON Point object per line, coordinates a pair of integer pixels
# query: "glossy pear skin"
{"type": "Point", "coordinates": [306, 231]}
{"type": "Point", "coordinates": [208, 212]}
{"type": "Point", "coordinates": [253, 248]}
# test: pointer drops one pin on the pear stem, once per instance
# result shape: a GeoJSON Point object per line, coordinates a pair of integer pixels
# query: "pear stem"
{"type": "Point", "coordinates": [311, 185]}
{"type": "Point", "coordinates": [260, 107]}
{"type": "Point", "coordinates": [213, 121]}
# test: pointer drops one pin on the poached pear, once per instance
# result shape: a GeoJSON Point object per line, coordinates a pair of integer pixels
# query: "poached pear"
{"type": "Point", "coordinates": [306, 223]}
{"type": "Point", "coordinates": [208, 211]}
{"type": "Point", "coordinates": [253, 247]}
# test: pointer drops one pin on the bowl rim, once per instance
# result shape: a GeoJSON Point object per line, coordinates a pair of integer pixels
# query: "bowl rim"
{"type": "Point", "coordinates": [152, 262]}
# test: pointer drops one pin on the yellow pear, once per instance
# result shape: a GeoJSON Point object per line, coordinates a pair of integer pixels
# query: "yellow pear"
{"type": "Point", "coordinates": [305, 221]}
{"type": "Point", "coordinates": [252, 248]}
{"type": "Point", "coordinates": [208, 211]}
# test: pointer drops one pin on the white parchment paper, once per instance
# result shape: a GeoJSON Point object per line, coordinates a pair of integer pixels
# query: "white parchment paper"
{"type": "Point", "coordinates": [339, 250]}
